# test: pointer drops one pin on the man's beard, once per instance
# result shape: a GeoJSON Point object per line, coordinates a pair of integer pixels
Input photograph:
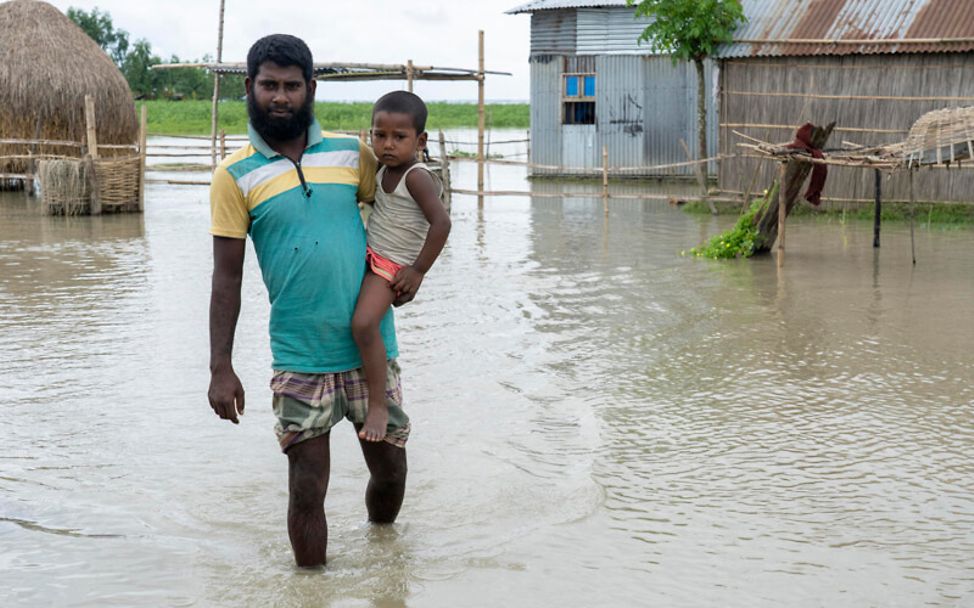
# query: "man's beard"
{"type": "Point", "coordinates": [281, 129]}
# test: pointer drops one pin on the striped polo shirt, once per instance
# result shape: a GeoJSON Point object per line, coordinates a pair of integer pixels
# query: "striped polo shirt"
{"type": "Point", "coordinates": [304, 221]}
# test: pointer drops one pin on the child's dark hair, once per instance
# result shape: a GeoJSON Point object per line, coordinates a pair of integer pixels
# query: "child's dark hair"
{"type": "Point", "coordinates": [284, 50]}
{"type": "Point", "coordinates": [403, 102]}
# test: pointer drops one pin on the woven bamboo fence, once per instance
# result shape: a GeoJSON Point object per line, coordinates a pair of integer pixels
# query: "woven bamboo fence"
{"type": "Point", "coordinates": [874, 99]}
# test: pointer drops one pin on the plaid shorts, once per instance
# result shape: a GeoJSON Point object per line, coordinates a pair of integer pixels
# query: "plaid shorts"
{"type": "Point", "coordinates": [308, 405]}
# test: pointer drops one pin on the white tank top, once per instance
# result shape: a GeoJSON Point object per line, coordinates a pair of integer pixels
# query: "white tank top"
{"type": "Point", "coordinates": [397, 226]}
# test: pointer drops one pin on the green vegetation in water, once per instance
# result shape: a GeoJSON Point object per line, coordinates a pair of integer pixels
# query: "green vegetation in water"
{"type": "Point", "coordinates": [467, 154]}
{"type": "Point", "coordinates": [738, 242]}
{"type": "Point", "coordinates": [192, 117]}
{"type": "Point", "coordinates": [926, 212]}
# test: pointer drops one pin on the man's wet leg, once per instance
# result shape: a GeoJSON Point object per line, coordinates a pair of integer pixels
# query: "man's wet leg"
{"type": "Point", "coordinates": [309, 464]}
{"type": "Point", "coordinates": [387, 481]}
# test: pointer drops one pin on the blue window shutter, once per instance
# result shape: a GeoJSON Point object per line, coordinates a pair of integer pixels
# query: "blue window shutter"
{"type": "Point", "coordinates": [590, 86]}
{"type": "Point", "coordinates": [571, 86]}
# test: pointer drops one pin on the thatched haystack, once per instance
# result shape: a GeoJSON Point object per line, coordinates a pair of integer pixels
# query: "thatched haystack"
{"type": "Point", "coordinates": [47, 66]}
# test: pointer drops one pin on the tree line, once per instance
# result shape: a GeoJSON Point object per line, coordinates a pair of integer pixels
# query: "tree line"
{"type": "Point", "coordinates": [134, 60]}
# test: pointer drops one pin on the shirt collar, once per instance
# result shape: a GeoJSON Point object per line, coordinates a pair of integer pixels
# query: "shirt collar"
{"type": "Point", "coordinates": [314, 137]}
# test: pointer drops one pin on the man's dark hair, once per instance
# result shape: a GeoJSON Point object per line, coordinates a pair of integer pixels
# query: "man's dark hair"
{"type": "Point", "coordinates": [403, 102]}
{"type": "Point", "coordinates": [284, 50]}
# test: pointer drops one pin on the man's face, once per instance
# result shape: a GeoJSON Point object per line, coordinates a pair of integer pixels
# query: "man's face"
{"type": "Point", "coordinates": [280, 102]}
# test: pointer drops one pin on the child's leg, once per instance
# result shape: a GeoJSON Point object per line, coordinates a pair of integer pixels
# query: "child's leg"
{"type": "Point", "coordinates": [374, 300]}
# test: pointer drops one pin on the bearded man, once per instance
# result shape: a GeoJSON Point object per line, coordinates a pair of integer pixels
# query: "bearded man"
{"type": "Point", "coordinates": [295, 191]}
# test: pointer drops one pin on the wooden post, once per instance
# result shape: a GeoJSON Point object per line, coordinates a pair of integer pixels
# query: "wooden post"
{"type": "Point", "coordinates": [223, 144]}
{"type": "Point", "coordinates": [445, 173]}
{"type": "Point", "coordinates": [480, 119]}
{"type": "Point", "coordinates": [878, 215]}
{"type": "Point", "coordinates": [913, 248]}
{"type": "Point", "coordinates": [363, 137]}
{"type": "Point", "coordinates": [91, 132]}
{"type": "Point", "coordinates": [143, 128]}
{"type": "Point", "coordinates": [215, 110]}
{"type": "Point", "coordinates": [409, 75]}
{"type": "Point", "coordinates": [782, 211]}
{"type": "Point", "coordinates": [605, 179]}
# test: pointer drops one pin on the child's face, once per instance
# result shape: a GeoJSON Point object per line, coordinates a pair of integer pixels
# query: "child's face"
{"type": "Point", "coordinates": [394, 138]}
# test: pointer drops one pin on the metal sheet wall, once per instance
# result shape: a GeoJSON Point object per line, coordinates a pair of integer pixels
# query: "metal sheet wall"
{"type": "Point", "coordinates": [553, 32]}
{"type": "Point", "coordinates": [609, 31]}
{"type": "Point", "coordinates": [645, 104]}
{"type": "Point", "coordinates": [546, 73]}
{"type": "Point", "coordinates": [620, 108]}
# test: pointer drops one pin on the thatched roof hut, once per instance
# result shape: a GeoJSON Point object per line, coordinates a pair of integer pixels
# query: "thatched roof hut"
{"type": "Point", "coordinates": [47, 66]}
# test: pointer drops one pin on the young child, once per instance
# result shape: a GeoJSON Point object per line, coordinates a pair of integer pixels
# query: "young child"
{"type": "Point", "coordinates": [406, 232]}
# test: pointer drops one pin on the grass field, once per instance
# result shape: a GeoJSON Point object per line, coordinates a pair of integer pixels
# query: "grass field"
{"type": "Point", "coordinates": [192, 117]}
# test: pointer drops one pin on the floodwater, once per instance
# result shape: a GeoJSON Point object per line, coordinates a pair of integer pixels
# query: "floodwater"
{"type": "Point", "coordinates": [598, 420]}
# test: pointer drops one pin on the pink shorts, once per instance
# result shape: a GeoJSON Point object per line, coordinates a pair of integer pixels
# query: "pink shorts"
{"type": "Point", "coordinates": [384, 268]}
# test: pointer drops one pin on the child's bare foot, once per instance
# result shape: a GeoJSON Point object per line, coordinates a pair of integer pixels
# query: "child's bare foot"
{"type": "Point", "coordinates": [375, 423]}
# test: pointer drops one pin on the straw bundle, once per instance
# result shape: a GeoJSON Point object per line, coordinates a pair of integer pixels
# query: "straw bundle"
{"type": "Point", "coordinates": [47, 66]}
{"type": "Point", "coordinates": [65, 186]}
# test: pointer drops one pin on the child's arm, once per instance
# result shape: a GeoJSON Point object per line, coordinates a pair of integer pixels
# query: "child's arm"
{"type": "Point", "coordinates": [423, 190]}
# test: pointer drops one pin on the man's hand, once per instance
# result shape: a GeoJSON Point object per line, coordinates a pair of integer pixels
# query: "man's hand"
{"type": "Point", "coordinates": [406, 283]}
{"type": "Point", "coordinates": [226, 395]}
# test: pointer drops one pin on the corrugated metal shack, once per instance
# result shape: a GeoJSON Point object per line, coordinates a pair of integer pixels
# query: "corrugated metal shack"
{"type": "Point", "coordinates": [592, 84]}
{"type": "Point", "coordinates": [798, 60]}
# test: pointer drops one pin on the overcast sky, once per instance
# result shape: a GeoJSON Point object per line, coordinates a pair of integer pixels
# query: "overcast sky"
{"type": "Point", "coordinates": [430, 32]}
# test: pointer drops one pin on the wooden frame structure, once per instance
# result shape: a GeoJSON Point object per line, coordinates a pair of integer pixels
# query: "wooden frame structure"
{"type": "Point", "coordinates": [941, 138]}
{"type": "Point", "coordinates": [354, 72]}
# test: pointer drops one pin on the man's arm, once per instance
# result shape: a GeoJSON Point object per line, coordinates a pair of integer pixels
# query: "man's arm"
{"type": "Point", "coordinates": [226, 393]}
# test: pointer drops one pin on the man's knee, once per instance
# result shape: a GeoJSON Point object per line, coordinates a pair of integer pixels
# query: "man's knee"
{"type": "Point", "coordinates": [392, 471]}
{"type": "Point", "coordinates": [307, 476]}
{"type": "Point", "coordinates": [306, 491]}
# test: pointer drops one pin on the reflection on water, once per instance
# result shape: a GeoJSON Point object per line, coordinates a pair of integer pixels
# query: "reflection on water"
{"type": "Point", "coordinates": [598, 420]}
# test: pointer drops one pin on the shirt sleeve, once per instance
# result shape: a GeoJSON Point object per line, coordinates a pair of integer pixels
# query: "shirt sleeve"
{"type": "Point", "coordinates": [229, 216]}
{"type": "Point", "coordinates": [368, 166]}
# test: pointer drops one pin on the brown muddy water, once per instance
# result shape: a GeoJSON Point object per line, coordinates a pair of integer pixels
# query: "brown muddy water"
{"type": "Point", "coordinates": [598, 421]}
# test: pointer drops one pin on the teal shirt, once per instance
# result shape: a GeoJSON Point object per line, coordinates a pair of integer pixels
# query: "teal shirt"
{"type": "Point", "coordinates": [310, 244]}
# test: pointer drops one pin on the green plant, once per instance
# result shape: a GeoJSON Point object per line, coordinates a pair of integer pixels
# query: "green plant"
{"type": "Point", "coordinates": [738, 242]}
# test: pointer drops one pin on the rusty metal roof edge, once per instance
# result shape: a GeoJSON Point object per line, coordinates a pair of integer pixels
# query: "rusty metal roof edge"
{"type": "Point", "coordinates": [852, 27]}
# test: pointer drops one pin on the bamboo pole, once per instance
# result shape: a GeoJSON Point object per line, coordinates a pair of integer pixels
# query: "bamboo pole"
{"type": "Point", "coordinates": [91, 133]}
{"type": "Point", "coordinates": [32, 164]}
{"type": "Point", "coordinates": [878, 215]}
{"type": "Point", "coordinates": [45, 142]}
{"type": "Point", "coordinates": [143, 133]}
{"type": "Point", "coordinates": [91, 130]}
{"type": "Point", "coordinates": [480, 116]}
{"type": "Point", "coordinates": [782, 211]}
{"type": "Point", "coordinates": [913, 248]}
{"type": "Point", "coordinates": [409, 75]}
{"type": "Point", "coordinates": [215, 111]}
{"type": "Point", "coordinates": [749, 125]}
{"type": "Point", "coordinates": [605, 178]}
{"type": "Point", "coordinates": [849, 97]}
{"type": "Point", "coordinates": [445, 173]}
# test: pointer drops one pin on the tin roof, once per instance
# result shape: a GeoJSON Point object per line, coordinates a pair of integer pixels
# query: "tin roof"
{"type": "Point", "coordinates": [547, 5]}
{"type": "Point", "coordinates": [833, 27]}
